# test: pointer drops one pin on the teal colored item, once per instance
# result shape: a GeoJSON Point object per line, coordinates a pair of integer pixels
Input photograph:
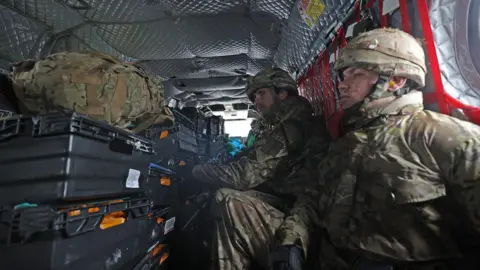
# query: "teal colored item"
{"type": "Point", "coordinates": [251, 139]}
{"type": "Point", "coordinates": [25, 205]}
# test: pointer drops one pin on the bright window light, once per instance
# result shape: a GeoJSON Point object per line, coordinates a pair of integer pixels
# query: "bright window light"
{"type": "Point", "coordinates": [238, 128]}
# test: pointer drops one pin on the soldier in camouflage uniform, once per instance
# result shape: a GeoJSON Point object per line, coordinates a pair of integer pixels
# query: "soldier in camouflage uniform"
{"type": "Point", "coordinates": [256, 130]}
{"type": "Point", "coordinates": [253, 227]}
{"type": "Point", "coordinates": [401, 188]}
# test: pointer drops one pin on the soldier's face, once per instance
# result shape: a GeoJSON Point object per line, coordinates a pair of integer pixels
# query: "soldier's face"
{"type": "Point", "coordinates": [266, 97]}
{"type": "Point", "coordinates": [355, 86]}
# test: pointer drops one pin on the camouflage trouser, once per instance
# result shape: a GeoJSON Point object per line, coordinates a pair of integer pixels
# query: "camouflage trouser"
{"type": "Point", "coordinates": [246, 222]}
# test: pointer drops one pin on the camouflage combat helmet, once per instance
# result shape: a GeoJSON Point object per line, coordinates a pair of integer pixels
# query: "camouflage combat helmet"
{"type": "Point", "coordinates": [271, 78]}
{"type": "Point", "coordinates": [388, 52]}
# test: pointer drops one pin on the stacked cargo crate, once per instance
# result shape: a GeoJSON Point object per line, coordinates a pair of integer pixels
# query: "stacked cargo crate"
{"type": "Point", "coordinates": [210, 136]}
{"type": "Point", "coordinates": [178, 149]}
{"type": "Point", "coordinates": [217, 140]}
{"type": "Point", "coordinates": [73, 195]}
{"type": "Point", "coordinates": [176, 145]}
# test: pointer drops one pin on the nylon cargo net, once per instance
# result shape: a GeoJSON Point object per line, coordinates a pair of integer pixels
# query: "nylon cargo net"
{"type": "Point", "coordinates": [318, 82]}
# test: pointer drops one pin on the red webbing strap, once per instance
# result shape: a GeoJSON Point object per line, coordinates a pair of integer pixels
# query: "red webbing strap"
{"type": "Point", "coordinates": [432, 54]}
{"type": "Point", "coordinates": [334, 122]}
{"type": "Point", "coordinates": [327, 91]}
{"type": "Point", "coordinates": [370, 3]}
{"type": "Point", "coordinates": [358, 12]}
{"type": "Point", "coordinates": [304, 85]}
{"type": "Point", "coordinates": [321, 96]}
{"type": "Point", "coordinates": [311, 84]}
{"type": "Point", "coordinates": [405, 16]}
{"type": "Point", "coordinates": [342, 43]}
{"type": "Point", "coordinates": [331, 86]}
{"type": "Point", "coordinates": [383, 18]}
{"type": "Point", "coordinates": [472, 113]}
{"type": "Point", "coordinates": [301, 85]}
{"type": "Point", "coordinates": [307, 84]}
{"type": "Point", "coordinates": [316, 86]}
{"type": "Point", "coordinates": [343, 39]}
{"type": "Point", "coordinates": [321, 68]}
{"type": "Point", "coordinates": [328, 83]}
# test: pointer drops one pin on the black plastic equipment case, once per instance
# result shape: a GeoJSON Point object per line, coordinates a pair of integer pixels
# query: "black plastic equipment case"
{"type": "Point", "coordinates": [202, 125]}
{"type": "Point", "coordinates": [184, 120]}
{"type": "Point", "coordinates": [217, 144]}
{"type": "Point", "coordinates": [154, 257]}
{"type": "Point", "coordinates": [221, 126]}
{"type": "Point", "coordinates": [162, 186]}
{"type": "Point", "coordinates": [5, 113]}
{"type": "Point", "coordinates": [177, 140]}
{"type": "Point", "coordinates": [202, 145]}
{"type": "Point", "coordinates": [216, 126]}
{"type": "Point", "coordinates": [194, 230]}
{"type": "Point", "coordinates": [68, 156]}
{"type": "Point", "coordinates": [217, 149]}
{"type": "Point", "coordinates": [213, 125]}
{"type": "Point", "coordinates": [76, 237]}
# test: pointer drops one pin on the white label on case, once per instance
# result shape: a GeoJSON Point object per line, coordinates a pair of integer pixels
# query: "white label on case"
{"type": "Point", "coordinates": [132, 179]}
{"type": "Point", "coordinates": [169, 225]}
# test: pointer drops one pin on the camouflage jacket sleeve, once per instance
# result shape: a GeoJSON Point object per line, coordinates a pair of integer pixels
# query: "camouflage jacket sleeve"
{"type": "Point", "coordinates": [303, 220]}
{"type": "Point", "coordinates": [261, 163]}
{"type": "Point", "coordinates": [453, 147]}
{"type": "Point", "coordinates": [464, 178]}
{"type": "Point", "coordinates": [300, 224]}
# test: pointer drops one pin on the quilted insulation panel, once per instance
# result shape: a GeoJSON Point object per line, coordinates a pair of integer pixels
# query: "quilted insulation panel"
{"type": "Point", "coordinates": [202, 49]}
{"type": "Point", "coordinates": [455, 27]}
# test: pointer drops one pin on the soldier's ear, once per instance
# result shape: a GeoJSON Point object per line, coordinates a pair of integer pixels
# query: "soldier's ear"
{"type": "Point", "coordinates": [396, 83]}
{"type": "Point", "coordinates": [283, 94]}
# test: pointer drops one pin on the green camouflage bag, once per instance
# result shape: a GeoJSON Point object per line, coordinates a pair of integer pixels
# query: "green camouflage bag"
{"type": "Point", "coordinates": [94, 84]}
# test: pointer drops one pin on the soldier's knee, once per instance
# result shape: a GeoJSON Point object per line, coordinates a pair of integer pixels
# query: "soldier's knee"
{"type": "Point", "coordinates": [218, 205]}
{"type": "Point", "coordinates": [197, 171]}
{"type": "Point", "coordinates": [223, 194]}
{"type": "Point", "coordinates": [228, 201]}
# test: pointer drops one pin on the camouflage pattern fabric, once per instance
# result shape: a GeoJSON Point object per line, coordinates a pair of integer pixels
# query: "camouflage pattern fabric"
{"type": "Point", "coordinates": [387, 51]}
{"type": "Point", "coordinates": [277, 161]}
{"type": "Point", "coordinates": [94, 84]}
{"type": "Point", "coordinates": [288, 129]}
{"type": "Point", "coordinates": [271, 78]}
{"type": "Point", "coordinates": [403, 190]}
{"type": "Point", "coordinates": [245, 225]}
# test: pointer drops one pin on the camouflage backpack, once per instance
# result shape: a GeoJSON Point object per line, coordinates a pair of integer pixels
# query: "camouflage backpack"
{"type": "Point", "coordinates": [94, 84]}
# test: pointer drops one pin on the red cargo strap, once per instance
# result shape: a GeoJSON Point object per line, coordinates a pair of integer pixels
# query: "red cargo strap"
{"type": "Point", "coordinates": [315, 87]}
{"type": "Point", "coordinates": [358, 12]}
{"type": "Point", "coordinates": [370, 3]}
{"type": "Point", "coordinates": [383, 18]}
{"type": "Point", "coordinates": [309, 83]}
{"type": "Point", "coordinates": [300, 86]}
{"type": "Point", "coordinates": [321, 67]}
{"type": "Point", "coordinates": [432, 54]}
{"type": "Point", "coordinates": [404, 15]}
{"type": "Point", "coordinates": [334, 123]}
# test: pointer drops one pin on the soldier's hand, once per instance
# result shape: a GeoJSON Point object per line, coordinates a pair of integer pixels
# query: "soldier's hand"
{"type": "Point", "coordinates": [286, 258]}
